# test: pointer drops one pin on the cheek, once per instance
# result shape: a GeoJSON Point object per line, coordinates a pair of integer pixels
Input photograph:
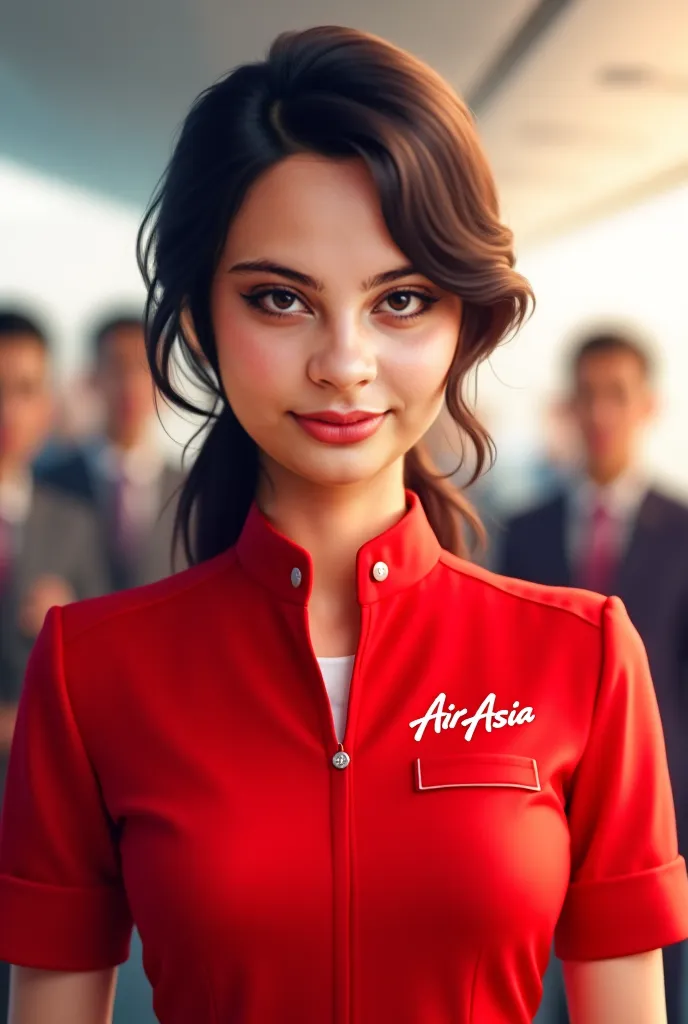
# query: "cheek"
{"type": "Point", "coordinates": [420, 366]}
{"type": "Point", "coordinates": [254, 367]}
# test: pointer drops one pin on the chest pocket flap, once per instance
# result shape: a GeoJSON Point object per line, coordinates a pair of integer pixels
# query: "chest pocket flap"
{"type": "Point", "coordinates": [475, 770]}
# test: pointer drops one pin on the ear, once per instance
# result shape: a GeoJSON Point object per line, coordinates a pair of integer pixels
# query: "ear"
{"type": "Point", "coordinates": [651, 404]}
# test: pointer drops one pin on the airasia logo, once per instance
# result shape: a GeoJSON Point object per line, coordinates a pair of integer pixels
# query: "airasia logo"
{"type": "Point", "coordinates": [486, 713]}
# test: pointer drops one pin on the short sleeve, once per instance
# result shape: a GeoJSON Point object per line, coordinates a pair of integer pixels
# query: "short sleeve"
{"type": "Point", "coordinates": [628, 891]}
{"type": "Point", "coordinates": [62, 900]}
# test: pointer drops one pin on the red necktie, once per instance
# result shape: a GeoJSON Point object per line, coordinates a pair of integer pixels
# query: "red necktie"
{"type": "Point", "coordinates": [600, 552]}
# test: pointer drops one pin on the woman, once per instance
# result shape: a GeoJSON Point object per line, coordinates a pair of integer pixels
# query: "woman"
{"type": "Point", "coordinates": [326, 250]}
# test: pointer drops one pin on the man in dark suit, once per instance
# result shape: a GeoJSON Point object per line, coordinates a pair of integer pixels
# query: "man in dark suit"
{"type": "Point", "coordinates": [123, 474]}
{"type": "Point", "coordinates": [612, 532]}
{"type": "Point", "coordinates": [50, 552]}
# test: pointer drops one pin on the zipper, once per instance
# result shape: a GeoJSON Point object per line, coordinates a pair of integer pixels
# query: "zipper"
{"type": "Point", "coordinates": [341, 791]}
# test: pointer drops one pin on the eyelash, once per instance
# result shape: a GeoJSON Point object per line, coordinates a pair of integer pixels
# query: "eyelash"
{"type": "Point", "coordinates": [253, 299]}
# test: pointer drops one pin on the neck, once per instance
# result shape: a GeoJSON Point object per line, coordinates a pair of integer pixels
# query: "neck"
{"type": "Point", "coordinates": [125, 440]}
{"type": "Point", "coordinates": [603, 475]}
{"type": "Point", "coordinates": [332, 524]}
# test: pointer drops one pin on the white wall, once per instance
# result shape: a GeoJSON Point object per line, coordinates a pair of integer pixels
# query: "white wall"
{"type": "Point", "coordinates": [65, 254]}
{"type": "Point", "coordinates": [630, 268]}
{"type": "Point", "coordinates": [69, 257]}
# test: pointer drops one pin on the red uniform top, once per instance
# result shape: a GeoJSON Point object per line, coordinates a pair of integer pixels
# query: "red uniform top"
{"type": "Point", "coordinates": [505, 780]}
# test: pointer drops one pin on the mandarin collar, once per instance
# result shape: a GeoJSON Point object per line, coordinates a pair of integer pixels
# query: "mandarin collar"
{"type": "Point", "coordinates": [385, 565]}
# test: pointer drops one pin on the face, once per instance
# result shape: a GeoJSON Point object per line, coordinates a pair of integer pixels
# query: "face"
{"type": "Point", "coordinates": [333, 351]}
{"type": "Point", "coordinates": [25, 400]}
{"type": "Point", "coordinates": [124, 382]}
{"type": "Point", "coordinates": [612, 403]}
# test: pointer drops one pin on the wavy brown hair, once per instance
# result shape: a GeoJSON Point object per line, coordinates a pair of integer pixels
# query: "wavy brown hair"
{"type": "Point", "coordinates": [338, 93]}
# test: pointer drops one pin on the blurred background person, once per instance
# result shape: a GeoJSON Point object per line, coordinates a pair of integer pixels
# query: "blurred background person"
{"type": "Point", "coordinates": [122, 472]}
{"type": "Point", "coordinates": [49, 544]}
{"type": "Point", "coordinates": [611, 531]}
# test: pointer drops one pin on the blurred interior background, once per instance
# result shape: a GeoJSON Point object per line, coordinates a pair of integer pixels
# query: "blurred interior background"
{"type": "Point", "coordinates": [583, 108]}
{"type": "Point", "coordinates": [582, 104]}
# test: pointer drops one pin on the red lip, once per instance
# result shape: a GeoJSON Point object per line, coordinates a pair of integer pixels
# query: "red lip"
{"type": "Point", "coordinates": [340, 428]}
{"type": "Point", "coordinates": [339, 418]}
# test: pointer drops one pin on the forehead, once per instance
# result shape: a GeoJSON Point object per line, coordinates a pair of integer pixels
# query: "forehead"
{"type": "Point", "coordinates": [614, 365]}
{"type": "Point", "coordinates": [123, 342]}
{"type": "Point", "coordinates": [22, 354]}
{"type": "Point", "coordinates": [317, 215]}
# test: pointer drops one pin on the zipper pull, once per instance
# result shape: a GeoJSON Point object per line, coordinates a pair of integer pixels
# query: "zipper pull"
{"type": "Point", "coordinates": [341, 759]}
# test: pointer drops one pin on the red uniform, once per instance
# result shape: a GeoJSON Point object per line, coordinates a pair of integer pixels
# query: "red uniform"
{"type": "Point", "coordinates": [504, 781]}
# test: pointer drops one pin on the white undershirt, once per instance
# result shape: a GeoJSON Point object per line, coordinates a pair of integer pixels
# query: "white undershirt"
{"type": "Point", "coordinates": [336, 673]}
{"type": "Point", "coordinates": [621, 499]}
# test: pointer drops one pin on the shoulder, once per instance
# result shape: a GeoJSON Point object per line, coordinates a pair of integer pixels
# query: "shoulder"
{"type": "Point", "coordinates": [671, 510]}
{"type": "Point", "coordinates": [173, 474]}
{"type": "Point", "coordinates": [172, 479]}
{"type": "Point", "coordinates": [70, 472]}
{"type": "Point", "coordinates": [534, 517]}
{"type": "Point", "coordinates": [520, 600]}
{"type": "Point", "coordinates": [169, 602]}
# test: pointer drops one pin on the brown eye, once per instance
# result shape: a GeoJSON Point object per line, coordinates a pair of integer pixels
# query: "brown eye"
{"type": "Point", "coordinates": [282, 300]}
{"type": "Point", "coordinates": [406, 304]}
{"type": "Point", "coordinates": [399, 301]}
{"type": "Point", "coordinates": [276, 302]}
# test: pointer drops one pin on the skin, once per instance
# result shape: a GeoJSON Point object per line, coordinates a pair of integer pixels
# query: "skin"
{"type": "Point", "coordinates": [123, 381]}
{"type": "Point", "coordinates": [340, 345]}
{"type": "Point", "coordinates": [611, 405]}
{"type": "Point", "coordinates": [343, 345]}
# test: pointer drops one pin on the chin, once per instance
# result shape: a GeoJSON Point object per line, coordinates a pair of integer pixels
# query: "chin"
{"type": "Point", "coordinates": [338, 469]}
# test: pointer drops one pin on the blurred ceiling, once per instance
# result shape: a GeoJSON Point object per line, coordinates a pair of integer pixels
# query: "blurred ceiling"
{"type": "Point", "coordinates": [583, 104]}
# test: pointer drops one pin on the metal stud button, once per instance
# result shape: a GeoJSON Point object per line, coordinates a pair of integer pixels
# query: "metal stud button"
{"type": "Point", "coordinates": [296, 577]}
{"type": "Point", "coordinates": [380, 571]}
{"type": "Point", "coordinates": [341, 759]}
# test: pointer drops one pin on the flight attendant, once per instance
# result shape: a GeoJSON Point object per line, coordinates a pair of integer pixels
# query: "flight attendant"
{"type": "Point", "coordinates": [333, 772]}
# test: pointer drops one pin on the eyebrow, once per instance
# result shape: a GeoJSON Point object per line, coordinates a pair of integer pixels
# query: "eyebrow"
{"type": "Point", "coordinates": [267, 266]}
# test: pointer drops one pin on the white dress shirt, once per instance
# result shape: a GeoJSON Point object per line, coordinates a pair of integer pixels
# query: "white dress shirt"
{"type": "Point", "coordinates": [16, 497]}
{"type": "Point", "coordinates": [142, 468]}
{"type": "Point", "coordinates": [621, 499]}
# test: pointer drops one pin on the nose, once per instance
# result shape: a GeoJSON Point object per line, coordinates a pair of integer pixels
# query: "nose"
{"type": "Point", "coordinates": [345, 357]}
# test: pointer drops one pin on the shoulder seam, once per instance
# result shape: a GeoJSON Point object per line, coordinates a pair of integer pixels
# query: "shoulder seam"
{"type": "Point", "coordinates": [520, 597]}
{"type": "Point", "coordinates": [154, 600]}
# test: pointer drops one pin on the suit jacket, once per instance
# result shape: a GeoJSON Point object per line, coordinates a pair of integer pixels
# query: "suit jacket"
{"type": "Point", "coordinates": [78, 476]}
{"type": "Point", "coordinates": [59, 538]}
{"type": "Point", "coordinates": [652, 581]}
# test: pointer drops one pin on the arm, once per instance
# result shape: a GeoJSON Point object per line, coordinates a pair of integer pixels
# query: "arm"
{"type": "Point", "coordinates": [63, 906]}
{"type": "Point", "coordinates": [627, 990]}
{"type": "Point", "coordinates": [628, 894]}
{"type": "Point", "coordinates": [62, 997]}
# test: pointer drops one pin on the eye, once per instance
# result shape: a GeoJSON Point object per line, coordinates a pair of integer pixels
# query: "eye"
{"type": "Point", "coordinates": [275, 301]}
{"type": "Point", "coordinates": [407, 303]}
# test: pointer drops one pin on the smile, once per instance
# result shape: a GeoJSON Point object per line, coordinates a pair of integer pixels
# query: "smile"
{"type": "Point", "coordinates": [340, 428]}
